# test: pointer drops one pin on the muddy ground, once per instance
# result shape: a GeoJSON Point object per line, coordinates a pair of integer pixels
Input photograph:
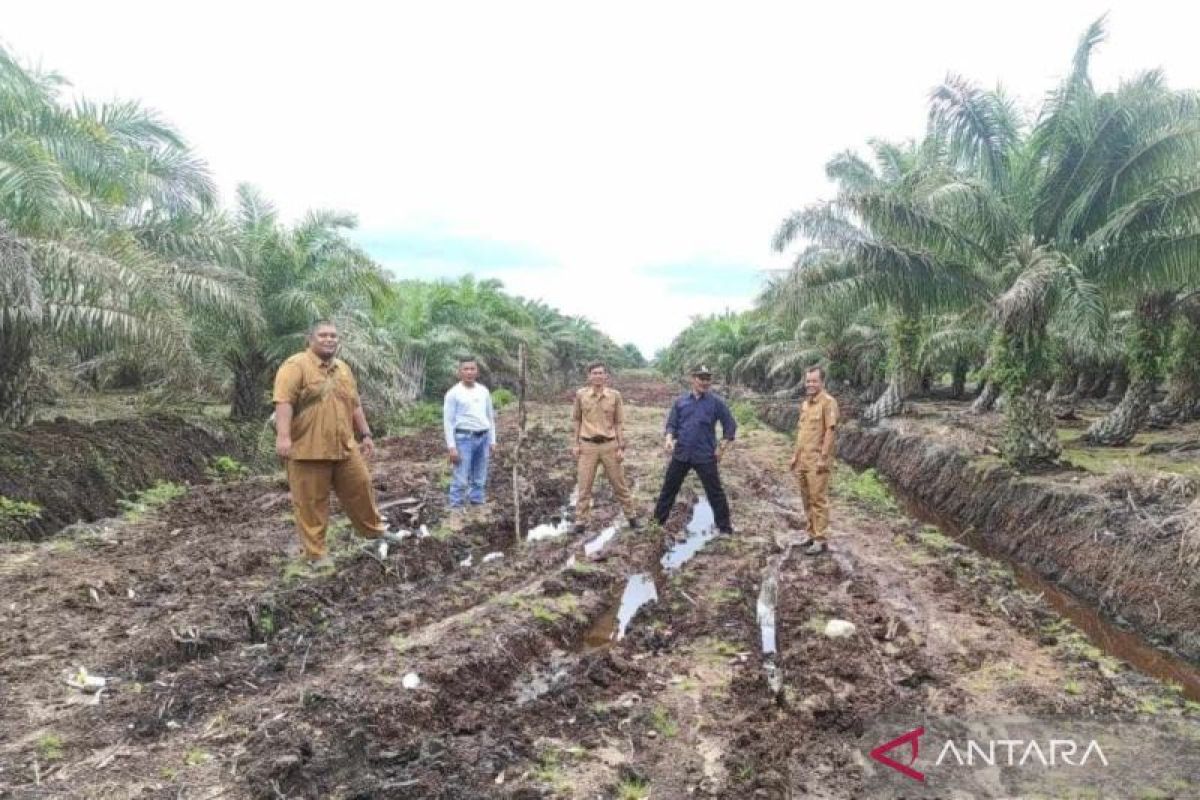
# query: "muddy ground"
{"type": "Point", "coordinates": [233, 673]}
{"type": "Point", "coordinates": [1118, 527]}
{"type": "Point", "coordinates": [71, 470]}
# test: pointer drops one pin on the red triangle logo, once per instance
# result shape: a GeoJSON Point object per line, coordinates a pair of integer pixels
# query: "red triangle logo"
{"type": "Point", "coordinates": [913, 739]}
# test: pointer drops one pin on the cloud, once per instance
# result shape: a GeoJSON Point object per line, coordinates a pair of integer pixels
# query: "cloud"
{"type": "Point", "coordinates": [570, 150]}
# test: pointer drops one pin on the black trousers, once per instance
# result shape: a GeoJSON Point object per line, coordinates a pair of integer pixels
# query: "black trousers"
{"type": "Point", "coordinates": [710, 478]}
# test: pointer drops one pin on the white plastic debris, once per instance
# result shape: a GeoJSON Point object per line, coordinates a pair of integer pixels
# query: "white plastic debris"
{"type": "Point", "coordinates": [411, 681]}
{"type": "Point", "coordinates": [547, 531]}
{"type": "Point", "coordinates": [81, 680]}
{"type": "Point", "coordinates": [839, 629]}
{"type": "Point", "coordinates": [466, 562]}
{"type": "Point", "coordinates": [424, 532]}
{"type": "Point", "coordinates": [492, 557]}
{"type": "Point", "coordinates": [381, 550]}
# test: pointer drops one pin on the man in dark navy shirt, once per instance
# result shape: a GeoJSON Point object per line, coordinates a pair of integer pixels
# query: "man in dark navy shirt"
{"type": "Point", "coordinates": [692, 444]}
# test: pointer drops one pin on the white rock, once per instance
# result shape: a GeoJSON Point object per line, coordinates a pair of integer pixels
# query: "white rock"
{"type": "Point", "coordinates": [839, 629]}
{"type": "Point", "coordinates": [466, 562]}
{"type": "Point", "coordinates": [492, 557]}
{"type": "Point", "coordinates": [411, 681]}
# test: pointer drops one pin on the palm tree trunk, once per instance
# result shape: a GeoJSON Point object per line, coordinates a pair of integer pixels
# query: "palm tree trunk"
{"type": "Point", "coordinates": [986, 399]}
{"type": "Point", "coordinates": [891, 402]}
{"type": "Point", "coordinates": [16, 374]}
{"type": "Point", "coordinates": [906, 339]}
{"type": "Point", "coordinates": [1118, 384]}
{"type": "Point", "coordinates": [1182, 403]}
{"type": "Point", "coordinates": [1030, 438]}
{"type": "Point", "coordinates": [1124, 421]}
{"type": "Point", "coordinates": [249, 387]}
{"type": "Point", "coordinates": [1064, 385]}
{"type": "Point", "coordinates": [1146, 348]}
{"type": "Point", "coordinates": [1103, 381]}
{"type": "Point", "coordinates": [958, 383]}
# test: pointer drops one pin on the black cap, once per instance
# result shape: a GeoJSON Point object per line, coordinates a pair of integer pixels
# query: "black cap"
{"type": "Point", "coordinates": [701, 369]}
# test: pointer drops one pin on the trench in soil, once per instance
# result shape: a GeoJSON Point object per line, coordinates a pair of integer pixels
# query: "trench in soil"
{"type": "Point", "coordinates": [1108, 637]}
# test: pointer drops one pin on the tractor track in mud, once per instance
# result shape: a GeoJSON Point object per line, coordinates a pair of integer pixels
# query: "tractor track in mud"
{"type": "Point", "coordinates": [420, 677]}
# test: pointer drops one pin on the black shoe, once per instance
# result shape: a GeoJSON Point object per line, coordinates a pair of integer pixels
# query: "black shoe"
{"type": "Point", "coordinates": [635, 524]}
{"type": "Point", "coordinates": [579, 529]}
{"type": "Point", "coordinates": [816, 547]}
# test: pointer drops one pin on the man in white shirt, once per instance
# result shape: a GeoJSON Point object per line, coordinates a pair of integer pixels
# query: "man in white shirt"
{"type": "Point", "coordinates": [470, 426]}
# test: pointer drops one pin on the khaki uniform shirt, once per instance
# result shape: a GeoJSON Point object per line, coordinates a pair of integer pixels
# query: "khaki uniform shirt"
{"type": "Point", "coordinates": [817, 415]}
{"type": "Point", "coordinates": [601, 414]}
{"type": "Point", "coordinates": [323, 398]}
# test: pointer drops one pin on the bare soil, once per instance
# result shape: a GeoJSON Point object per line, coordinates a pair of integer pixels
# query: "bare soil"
{"type": "Point", "coordinates": [232, 673]}
{"type": "Point", "coordinates": [79, 471]}
{"type": "Point", "coordinates": [1114, 526]}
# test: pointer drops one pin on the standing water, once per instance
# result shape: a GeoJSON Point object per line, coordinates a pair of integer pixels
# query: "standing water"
{"type": "Point", "coordinates": [700, 531]}
{"type": "Point", "coordinates": [601, 541]}
{"type": "Point", "coordinates": [640, 589]}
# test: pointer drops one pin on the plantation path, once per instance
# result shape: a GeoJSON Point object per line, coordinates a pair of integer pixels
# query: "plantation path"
{"type": "Point", "coordinates": [233, 675]}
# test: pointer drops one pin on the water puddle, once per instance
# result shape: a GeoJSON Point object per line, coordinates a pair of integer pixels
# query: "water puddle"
{"type": "Point", "coordinates": [1114, 641]}
{"type": "Point", "coordinates": [559, 524]}
{"type": "Point", "coordinates": [768, 597]}
{"type": "Point", "coordinates": [601, 541]}
{"type": "Point", "coordinates": [639, 590]}
{"type": "Point", "coordinates": [700, 531]}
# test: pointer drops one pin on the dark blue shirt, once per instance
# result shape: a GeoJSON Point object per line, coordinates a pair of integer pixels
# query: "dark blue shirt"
{"type": "Point", "coordinates": [693, 425]}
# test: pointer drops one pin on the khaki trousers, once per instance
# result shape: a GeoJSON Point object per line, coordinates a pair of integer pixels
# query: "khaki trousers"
{"type": "Point", "coordinates": [310, 483]}
{"type": "Point", "coordinates": [605, 455]}
{"type": "Point", "coordinates": [814, 492]}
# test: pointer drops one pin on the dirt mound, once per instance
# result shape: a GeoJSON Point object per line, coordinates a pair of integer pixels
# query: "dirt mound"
{"type": "Point", "coordinates": [74, 471]}
{"type": "Point", "coordinates": [1126, 559]}
{"type": "Point", "coordinates": [637, 388]}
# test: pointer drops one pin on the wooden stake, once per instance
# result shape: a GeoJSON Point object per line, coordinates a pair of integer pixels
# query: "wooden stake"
{"type": "Point", "coordinates": [516, 476]}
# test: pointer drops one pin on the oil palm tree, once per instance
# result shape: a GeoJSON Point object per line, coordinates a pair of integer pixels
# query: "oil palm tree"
{"type": "Point", "coordinates": [294, 276]}
{"type": "Point", "coordinates": [93, 238]}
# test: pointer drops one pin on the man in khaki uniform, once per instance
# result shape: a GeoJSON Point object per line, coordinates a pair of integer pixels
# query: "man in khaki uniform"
{"type": "Point", "coordinates": [813, 457]}
{"type": "Point", "coordinates": [600, 439]}
{"type": "Point", "coordinates": [317, 413]}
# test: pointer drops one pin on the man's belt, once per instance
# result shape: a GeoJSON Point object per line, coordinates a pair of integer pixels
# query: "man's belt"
{"type": "Point", "coordinates": [598, 439]}
{"type": "Point", "coordinates": [472, 433]}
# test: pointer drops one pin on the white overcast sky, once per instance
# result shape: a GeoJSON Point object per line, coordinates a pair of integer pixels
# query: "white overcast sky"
{"type": "Point", "coordinates": [628, 162]}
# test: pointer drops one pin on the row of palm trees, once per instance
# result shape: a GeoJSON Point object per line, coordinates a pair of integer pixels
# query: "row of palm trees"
{"type": "Point", "coordinates": [1049, 255]}
{"type": "Point", "coordinates": [118, 266]}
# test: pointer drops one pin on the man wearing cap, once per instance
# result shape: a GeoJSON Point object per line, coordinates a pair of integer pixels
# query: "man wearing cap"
{"type": "Point", "coordinates": [317, 415]}
{"type": "Point", "coordinates": [599, 418]}
{"type": "Point", "coordinates": [813, 457]}
{"type": "Point", "coordinates": [692, 444]}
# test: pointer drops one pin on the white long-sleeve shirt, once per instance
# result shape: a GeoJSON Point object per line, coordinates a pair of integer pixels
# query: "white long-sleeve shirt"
{"type": "Point", "coordinates": [469, 410]}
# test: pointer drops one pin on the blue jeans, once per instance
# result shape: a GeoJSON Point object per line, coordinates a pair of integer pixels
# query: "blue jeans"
{"type": "Point", "coordinates": [471, 469]}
